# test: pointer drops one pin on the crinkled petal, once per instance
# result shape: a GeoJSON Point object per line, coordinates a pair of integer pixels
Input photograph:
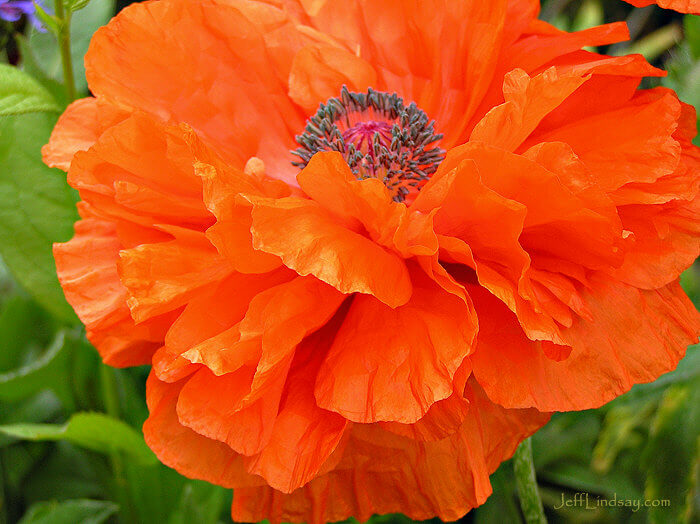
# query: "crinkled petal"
{"type": "Point", "coordinates": [386, 473]}
{"type": "Point", "coordinates": [311, 241]}
{"type": "Point", "coordinates": [412, 46]}
{"type": "Point", "coordinates": [633, 336]}
{"type": "Point", "coordinates": [422, 345]}
{"type": "Point", "coordinates": [319, 71]}
{"type": "Point", "coordinates": [181, 448]}
{"type": "Point", "coordinates": [304, 436]}
{"type": "Point", "coordinates": [683, 6]}
{"type": "Point", "coordinates": [633, 143]}
{"type": "Point", "coordinates": [367, 204]}
{"type": "Point", "coordinates": [77, 129]}
{"type": "Point", "coordinates": [214, 63]}
{"type": "Point", "coordinates": [528, 101]}
{"type": "Point", "coordinates": [143, 172]}
{"type": "Point", "coordinates": [211, 406]}
{"type": "Point", "coordinates": [88, 274]}
{"type": "Point", "coordinates": [165, 276]}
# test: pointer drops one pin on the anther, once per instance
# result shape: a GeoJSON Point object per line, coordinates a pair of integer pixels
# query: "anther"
{"type": "Point", "coordinates": [378, 136]}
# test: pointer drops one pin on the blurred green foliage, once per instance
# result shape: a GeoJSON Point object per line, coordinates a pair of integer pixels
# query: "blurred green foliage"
{"type": "Point", "coordinates": [71, 449]}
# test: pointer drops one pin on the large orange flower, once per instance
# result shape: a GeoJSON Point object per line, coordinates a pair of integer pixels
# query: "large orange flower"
{"type": "Point", "coordinates": [481, 224]}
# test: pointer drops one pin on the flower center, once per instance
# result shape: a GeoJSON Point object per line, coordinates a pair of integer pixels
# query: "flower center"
{"type": "Point", "coordinates": [378, 136]}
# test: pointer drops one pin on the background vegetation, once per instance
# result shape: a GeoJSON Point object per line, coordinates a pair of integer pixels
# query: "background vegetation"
{"type": "Point", "coordinates": [71, 448]}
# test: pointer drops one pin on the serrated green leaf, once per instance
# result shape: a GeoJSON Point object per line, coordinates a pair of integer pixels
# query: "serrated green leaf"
{"type": "Point", "coordinates": [672, 454]}
{"type": "Point", "coordinates": [94, 431]}
{"type": "Point", "coordinates": [20, 93]}
{"type": "Point", "coordinates": [37, 208]}
{"type": "Point", "coordinates": [70, 512]}
{"type": "Point", "coordinates": [83, 25]}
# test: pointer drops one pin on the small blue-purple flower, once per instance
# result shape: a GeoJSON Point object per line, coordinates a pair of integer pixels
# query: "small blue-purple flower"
{"type": "Point", "coordinates": [12, 10]}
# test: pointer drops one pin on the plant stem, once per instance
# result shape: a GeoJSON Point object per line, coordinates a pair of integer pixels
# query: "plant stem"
{"type": "Point", "coordinates": [64, 46]}
{"type": "Point", "coordinates": [526, 484]}
{"type": "Point", "coordinates": [110, 397]}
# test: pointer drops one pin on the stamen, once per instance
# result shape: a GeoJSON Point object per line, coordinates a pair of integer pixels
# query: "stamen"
{"type": "Point", "coordinates": [378, 136]}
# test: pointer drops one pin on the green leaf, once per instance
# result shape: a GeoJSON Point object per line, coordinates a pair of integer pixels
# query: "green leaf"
{"type": "Point", "coordinates": [68, 472]}
{"type": "Point", "coordinates": [25, 330]}
{"type": "Point", "coordinates": [581, 478]}
{"type": "Point", "coordinates": [672, 454]}
{"type": "Point", "coordinates": [75, 5]}
{"type": "Point", "coordinates": [30, 65]}
{"type": "Point", "coordinates": [49, 371]}
{"type": "Point", "coordinates": [199, 502]}
{"type": "Point", "coordinates": [49, 21]}
{"type": "Point", "coordinates": [691, 27]}
{"type": "Point", "coordinates": [618, 432]}
{"type": "Point", "coordinates": [37, 208]}
{"type": "Point", "coordinates": [83, 25]}
{"type": "Point", "coordinates": [94, 431]}
{"type": "Point", "coordinates": [20, 93]}
{"type": "Point", "coordinates": [501, 506]}
{"type": "Point", "coordinates": [567, 436]}
{"type": "Point", "coordinates": [70, 512]}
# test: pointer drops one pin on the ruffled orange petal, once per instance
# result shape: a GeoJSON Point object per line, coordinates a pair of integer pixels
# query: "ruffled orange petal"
{"type": "Point", "coordinates": [77, 129]}
{"type": "Point", "coordinates": [385, 473]}
{"type": "Point", "coordinates": [367, 204]}
{"type": "Point", "coordinates": [181, 448]}
{"type": "Point", "coordinates": [534, 51]}
{"type": "Point", "coordinates": [423, 344]}
{"type": "Point", "coordinates": [275, 322]}
{"type": "Point", "coordinates": [209, 319]}
{"type": "Point", "coordinates": [320, 71]}
{"type": "Point", "coordinates": [412, 46]}
{"type": "Point", "coordinates": [87, 271]}
{"type": "Point", "coordinates": [231, 232]}
{"type": "Point", "coordinates": [165, 276]}
{"type": "Point", "coordinates": [211, 406]}
{"type": "Point", "coordinates": [239, 406]}
{"type": "Point", "coordinates": [528, 101]}
{"type": "Point", "coordinates": [239, 52]}
{"type": "Point", "coordinates": [666, 242]}
{"type": "Point", "coordinates": [638, 147]}
{"type": "Point", "coordinates": [444, 418]}
{"type": "Point", "coordinates": [304, 436]}
{"type": "Point", "coordinates": [613, 350]}
{"type": "Point", "coordinates": [663, 216]}
{"type": "Point", "coordinates": [141, 171]}
{"type": "Point", "coordinates": [312, 242]}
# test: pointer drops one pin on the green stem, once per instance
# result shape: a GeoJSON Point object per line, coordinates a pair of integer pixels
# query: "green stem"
{"type": "Point", "coordinates": [526, 483]}
{"type": "Point", "coordinates": [64, 46]}
{"type": "Point", "coordinates": [110, 397]}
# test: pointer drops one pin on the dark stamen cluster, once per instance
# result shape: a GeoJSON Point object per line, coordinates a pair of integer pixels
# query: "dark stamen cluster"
{"type": "Point", "coordinates": [392, 144]}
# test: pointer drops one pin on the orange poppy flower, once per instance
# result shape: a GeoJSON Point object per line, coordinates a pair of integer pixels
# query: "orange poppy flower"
{"type": "Point", "coordinates": [481, 223]}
